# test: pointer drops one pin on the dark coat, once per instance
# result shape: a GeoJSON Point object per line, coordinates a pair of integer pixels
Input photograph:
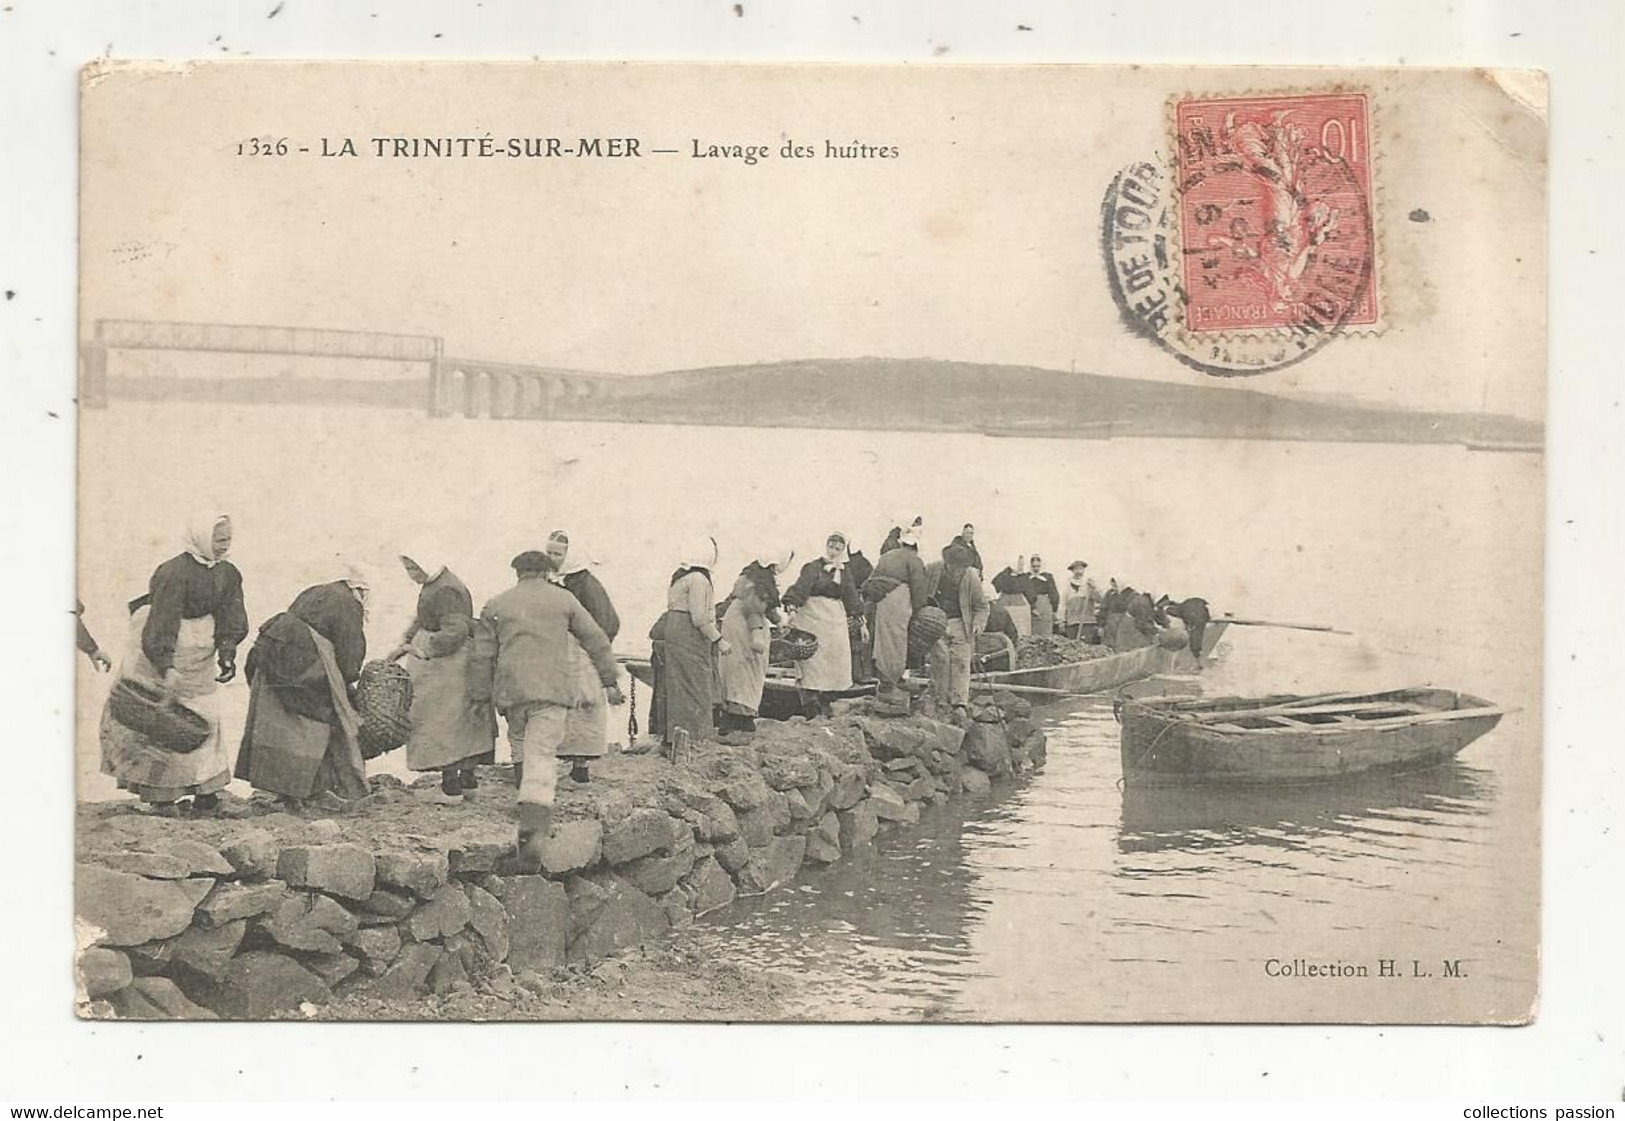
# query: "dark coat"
{"type": "Point", "coordinates": [184, 588]}
{"type": "Point", "coordinates": [975, 553]}
{"type": "Point", "coordinates": [814, 581]}
{"type": "Point", "coordinates": [446, 612]}
{"type": "Point", "coordinates": [590, 591]}
{"type": "Point", "coordinates": [285, 654]}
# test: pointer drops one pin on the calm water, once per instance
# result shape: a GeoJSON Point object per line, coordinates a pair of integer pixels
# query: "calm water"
{"type": "Point", "coordinates": [1057, 897]}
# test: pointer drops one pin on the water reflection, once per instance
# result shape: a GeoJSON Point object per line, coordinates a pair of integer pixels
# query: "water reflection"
{"type": "Point", "coordinates": [884, 931]}
{"type": "Point", "coordinates": [1161, 818]}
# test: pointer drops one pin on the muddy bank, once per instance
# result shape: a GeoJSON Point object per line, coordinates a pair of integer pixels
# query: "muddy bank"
{"type": "Point", "coordinates": [397, 907]}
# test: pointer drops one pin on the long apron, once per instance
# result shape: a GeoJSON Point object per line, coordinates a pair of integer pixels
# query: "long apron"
{"type": "Point", "coordinates": [446, 730]}
{"type": "Point", "coordinates": [829, 670]}
{"type": "Point", "coordinates": [1020, 610]}
{"type": "Point", "coordinates": [892, 615]}
{"type": "Point", "coordinates": [1043, 616]}
{"type": "Point", "coordinates": [744, 668]}
{"type": "Point", "coordinates": [155, 774]}
{"type": "Point", "coordinates": [295, 756]}
{"type": "Point", "coordinates": [688, 679]}
{"type": "Point", "coordinates": [585, 735]}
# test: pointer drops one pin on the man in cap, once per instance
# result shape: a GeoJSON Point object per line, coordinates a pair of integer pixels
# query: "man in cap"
{"type": "Point", "coordinates": [1080, 617]}
{"type": "Point", "coordinates": [521, 664]}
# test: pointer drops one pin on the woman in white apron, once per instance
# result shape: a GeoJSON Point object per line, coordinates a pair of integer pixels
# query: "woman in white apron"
{"type": "Point", "coordinates": [184, 635]}
{"type": "Point", "coordinates": [822, 599]}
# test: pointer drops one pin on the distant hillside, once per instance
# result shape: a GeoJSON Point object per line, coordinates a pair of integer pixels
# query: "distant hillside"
{"type": "Point", "coordinates": [887, 393]}
{"type": "Point", "coordinates": [964, 396]}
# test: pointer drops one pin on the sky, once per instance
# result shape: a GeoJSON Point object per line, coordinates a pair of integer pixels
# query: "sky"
{"type": "Point", "coordinates": [979, 241]}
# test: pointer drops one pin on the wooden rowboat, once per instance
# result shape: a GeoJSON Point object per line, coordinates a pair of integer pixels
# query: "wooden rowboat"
{"type": "Point", "coordinates": [1295, 739]}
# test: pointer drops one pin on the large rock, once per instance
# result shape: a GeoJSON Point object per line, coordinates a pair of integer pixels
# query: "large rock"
{"type": "Point", "coordinates": [642, 832]}
{"type": "Point", "coordinates": [252, 853]}
{"type": "Point", "coordinates": [712, 818]}
{"type": "Point", "coordinates": [447, 913]}
{"type": "Point", "coordinates": [331, 968]}
{"type": "Point", "coordinates": [774, 864]}
{"type": "Point", "coordinates": [782, 771]}
{"type": "Point", "coordinates": [733, 855]}
{"type": "Point", "coordinates": [539, 912]}
{"type": "Point", "coordinates": [987, 749]}
{"type": "Point", "coordinates": [166, 858]}
{"type": "Point", "coordinates": [421, 871]}
{"type": "Point", "coordinates": [378, 945]}
{"type": "Point", "coordinates": [449, 973]}
{"type": "Point", "coordinates": [132, 909]}
{"type": "Point", "coordinates": [974, 781]}
{"type": "Point", "coordinates": [858, 825]}
{"type": "Point", "coordinates": [709, 886]}
{"type": "Point", "coordinates": [346, 870]}
{"type": "Point", "coordinates": [888, 804]}
{"type": "Point", "coordinates": [387, 904]}
{"type": "Point", "coordinates": [489, 920]}
{"type": "Point", "coordinates": [588, 894]}
{"type": "Point", "coordinates": [103, 971]}
{"type": "Point", "coordinates": [797, 802]}
{"type": "Point", "coordinates": [230, 902]}
{"type": "Point", "coordinates": [850, 782]}
{"type": "Point", "coordinates": [824, 839]}
{"type": "Point", "coordinates": [891, 739]}
{"type": "Point", "coordinates": [260, 984]}
{"type": "Point", "coordinates": [659, 872]}
{"type": "Point", "coordinates": [628, 918]}
{"type": "Point", "coordinates": [157, 998]}
{"type": "Point", "coordinates": [481, 849]}
{"type": "Point", "coordinates": [309, 921]}
{"type": "Point", "coordinates": [746, 792]}
{"type": "Point", "coordinates": [573, 846]}
{"type": "Point", "coordinates": [1036, 744]}
{"type": "Point", "coordinates": [207, 951]}
{"type": "Point", "coordinates": [407, 979]}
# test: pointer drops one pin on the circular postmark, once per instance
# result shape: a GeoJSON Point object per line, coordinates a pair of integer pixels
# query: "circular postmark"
{"type": "Point", "coordinates": [1246, 256]}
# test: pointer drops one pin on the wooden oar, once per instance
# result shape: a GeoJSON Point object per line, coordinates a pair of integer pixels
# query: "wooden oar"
{"type": "Point", "coordinates": [1320, 628]}
{"type": "Point", "coordinates": [1029, 690]}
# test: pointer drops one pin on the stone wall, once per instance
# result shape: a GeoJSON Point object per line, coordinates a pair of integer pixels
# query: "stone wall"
{"type": "Point", "coordinates": [259, 912]}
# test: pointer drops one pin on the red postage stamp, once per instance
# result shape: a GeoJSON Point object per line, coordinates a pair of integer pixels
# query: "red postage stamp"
{"type": "Point", "coordinates": [1275, 212]}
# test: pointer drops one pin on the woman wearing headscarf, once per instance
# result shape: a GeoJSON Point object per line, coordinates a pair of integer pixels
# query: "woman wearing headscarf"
{"type": "Point", "coordinates": [743, 669]}
{"type": "Point", "coordinates": [763, 574]}
{"type": "Point", "coordinates": [449, 734]}
{"type": "Point", "coordinates": [955, 586]}
{"type": "Point", "coordinates": [1012, 586]}
{"type": "Point", "coordinates": [585, 737]}
{"type": "Point", "coordinates": [301, 739]}
{"type": "Point", "coordinates": [686, 642]}
{"type": "Point", "coordinates": [823, 598]}
{"type": "Point", "coordinates": [184, 636]}
{"type": "Point", "coordinates": [897, 589]}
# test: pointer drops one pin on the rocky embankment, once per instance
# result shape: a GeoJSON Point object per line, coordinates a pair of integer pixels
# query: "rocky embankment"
{"type": "Point", "coordinates": [394, 906]}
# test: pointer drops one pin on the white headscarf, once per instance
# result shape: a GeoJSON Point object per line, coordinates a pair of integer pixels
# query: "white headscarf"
{"type": "Point", "coordinates": [425, 557]}
{"type": "Point", "coordinates": [776, 560]}
{"type": "Point", "coordinates": [701, 553]}
{"type": "Point", "coordinates": [836, 566]}
{"type": "Point", "coordinates": [198, 538]}
{"type": "Point", "coordinates": [356, 578]}
{"type": "Point", "coordinates": [577, 559]}
{"type": "Point", "coordinates": [909, 530]}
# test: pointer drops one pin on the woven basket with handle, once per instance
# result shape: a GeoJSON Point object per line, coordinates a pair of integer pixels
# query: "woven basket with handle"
{"type": "Point", "coordinates": [384, 699]}
{"type": "Point", "coordinates": [928, 625]}
{"type": "Point", "coordinates": [166, 722]}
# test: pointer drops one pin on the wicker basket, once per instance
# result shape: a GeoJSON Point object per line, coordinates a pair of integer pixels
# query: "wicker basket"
{"type": "Point", "coordinates": [793, 645]}
{"type": "Point", "coordinates": [165, 721]}
{"type": "Point", "coordinates": [384, 699]}
{"type": "Point", "coordinates": [928, 625]}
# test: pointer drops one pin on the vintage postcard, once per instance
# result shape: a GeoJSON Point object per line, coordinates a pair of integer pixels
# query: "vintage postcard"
{"type": "Point", "coordinates": [855, 543]}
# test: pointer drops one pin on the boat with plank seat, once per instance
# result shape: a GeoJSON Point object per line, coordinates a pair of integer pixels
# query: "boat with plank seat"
{"type": "Point", "coordinates": [1293, 739]}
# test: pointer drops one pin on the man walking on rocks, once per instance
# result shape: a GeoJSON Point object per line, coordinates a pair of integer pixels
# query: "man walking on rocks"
{"type": "Point", "coordinates": [521, 663]}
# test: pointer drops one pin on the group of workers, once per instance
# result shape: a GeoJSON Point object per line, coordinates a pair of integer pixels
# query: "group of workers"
{"type": "Point", "coordinates": [540, 655]}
